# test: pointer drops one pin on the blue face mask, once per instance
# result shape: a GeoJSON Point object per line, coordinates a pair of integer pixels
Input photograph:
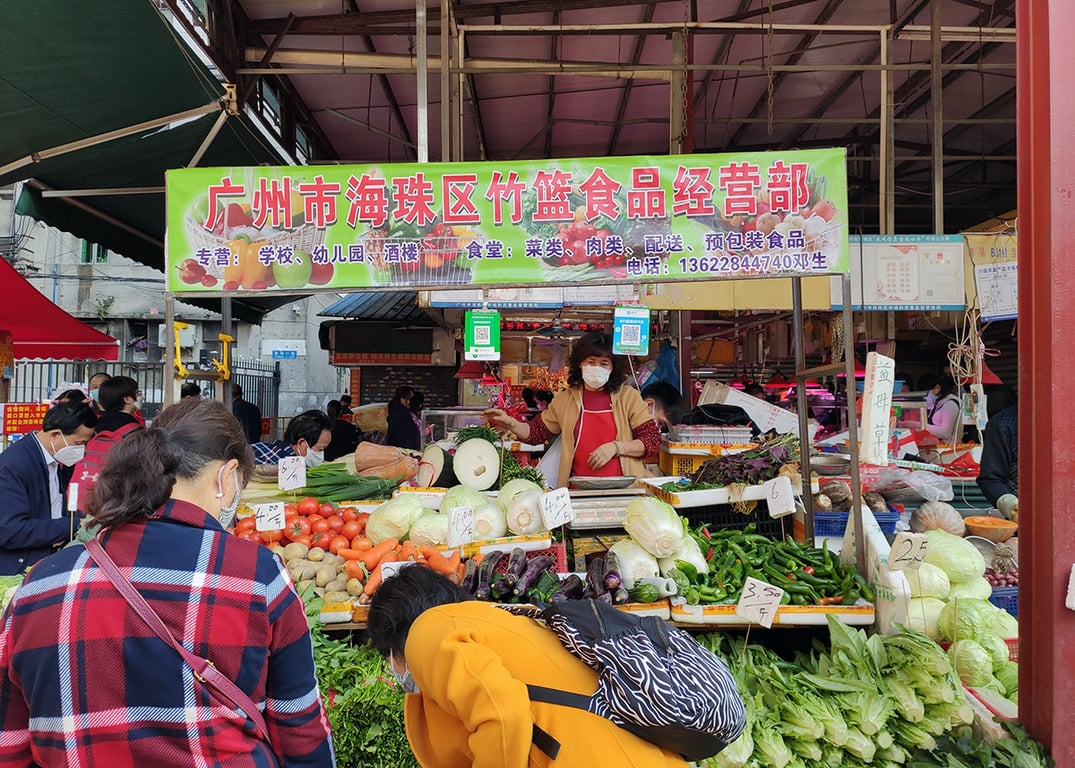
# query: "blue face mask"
{"type": "Point", "coordinates": [405, 680]}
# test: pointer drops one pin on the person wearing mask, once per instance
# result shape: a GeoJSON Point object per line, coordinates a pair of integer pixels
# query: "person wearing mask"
{"type": "Point", "coordinates": [944, 412]}
{"type": "Point", "coordinates": [530, 398]}
{"type": "Point", "coordinates": [119, 398]}
{"type": "Point", "coordinates": [998, 472]}
{"type": "Point", "coordinates": [34, 475]}
{"type": "Point", "coordinates": [664, 403]}
{"type": "Point", "coordinates": [402, 431]}
{"type": "Point", "coordinates": [345, 436]}
{"type": "Point", "coordinates": [465, 665]}
{"type": "Point", "coordinates": [248, 414]}
{"type": "Point", "coordinates": [307, 435]}
{"type": "Point", "coordinates": [189, 390]}
{"type": "Point", "coordinates": [84, 680]}
{"type": "Point", "coordinates": [96, 380]}
{"type": "Point", "coordinates": [606, 427]}
{"type": "Point", "coordinates": [543, 397]}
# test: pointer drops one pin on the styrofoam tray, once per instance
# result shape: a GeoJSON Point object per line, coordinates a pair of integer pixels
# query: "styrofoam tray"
{"type": "Point", "coordinates": [860, 614]}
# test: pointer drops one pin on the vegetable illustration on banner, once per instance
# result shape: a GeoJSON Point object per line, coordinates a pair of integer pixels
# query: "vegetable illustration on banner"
{"type": "Point", "coordinates": [588, 220]}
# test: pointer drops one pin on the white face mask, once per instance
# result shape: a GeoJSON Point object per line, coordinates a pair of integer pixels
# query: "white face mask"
{"type": "Point", "coordinates": [595, 376]}
{"type": "Point", "coordinates": [314, 458]}
{"type": "Point", "coordinates": [227, 513]}
{"type": "Point", "coordinates": [930, 399]}
{"type": "Point", "coordinates": [69, 455]}
{"type": "Point", "coordinates": [138, 405]}
{"type": "Point", "coordinates": [405, 680]}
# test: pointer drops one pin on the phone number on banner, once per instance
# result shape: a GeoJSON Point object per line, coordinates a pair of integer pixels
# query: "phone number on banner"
{"type": "Point", "coordinates": [754, 264]}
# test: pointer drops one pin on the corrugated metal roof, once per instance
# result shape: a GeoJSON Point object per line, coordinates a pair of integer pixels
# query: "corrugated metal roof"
{"type": "Point", "coordinates": [401, 306]}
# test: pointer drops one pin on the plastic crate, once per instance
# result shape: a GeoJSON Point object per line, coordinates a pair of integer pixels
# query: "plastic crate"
{"type": "Point", "coordinates": [1006, 598]}
{"type": "Point", "coordinates": [721, 516]}
{"type": "Point", "coordinates": [558, 553]}
{"type": "Point", "coordinates": [676, 463]}
{"type": "Point", "coordinates": [834, 523]}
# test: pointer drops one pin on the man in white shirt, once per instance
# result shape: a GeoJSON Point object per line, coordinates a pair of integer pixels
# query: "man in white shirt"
{"type": "Point", "coordinates": [34, 474]}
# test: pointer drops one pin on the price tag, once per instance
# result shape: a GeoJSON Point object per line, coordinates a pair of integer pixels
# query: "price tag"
{"type": "Point", "coordinates": [269, 517]}
{"type": "Point", "coordinates": [556, 509]}
{"type": "Point", "coordinates": [388, 570]}
{"type": "Point", "coordinates": [291, 473]}
{"type": "Point", "coordinates": [72, 497]}
{"type": "Point", "coordinates": [779, 496]}
{"type": "Point", "coordinates": [908, 551]}
{"type": "Point", "coordinates": [759, 602]}
{"type": "Point", "coordinates": [460, 526]}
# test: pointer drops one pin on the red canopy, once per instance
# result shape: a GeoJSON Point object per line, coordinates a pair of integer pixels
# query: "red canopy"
{"type": "Point", "coordinates": [40, 329]}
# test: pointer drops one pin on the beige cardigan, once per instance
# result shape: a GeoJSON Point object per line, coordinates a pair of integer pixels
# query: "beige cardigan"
{"type": "Point", "coordinates": [629, 410]}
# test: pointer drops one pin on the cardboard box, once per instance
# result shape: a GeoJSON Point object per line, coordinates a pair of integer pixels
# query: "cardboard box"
{"type": "Point", "coordinates": [765, 415]}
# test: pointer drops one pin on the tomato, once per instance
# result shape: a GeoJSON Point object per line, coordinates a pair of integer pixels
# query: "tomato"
{"type": "Point", "coordinates": [291, 509]}
{"type": "Point", "coordinates": [246, 524]}
{"type": "Point", "coordinates": [319, 539]}
{"type": "Point", "coordinates": [302, 540]}
{"type": "Point", "coordinates": [336, 542]}
{"type": "Point", "coordinates": [320, 526]}
{"type": "Point", "coordinates": [313, 518]}
{"type": "Point", "coordinates": [250, 535]}
{"type": "Point", "coordinates": [296, 527]}
{"type": "Point", "coordinates": [362, 518]}
{"type": "Point", "coordinates": [347, 513]}
{"type": "Point", "coordinates": [335, 522]}
{"type": "Point", "coordinates": [309, 506]}
{"type": "Point", "coordinates": [351, 529]}
{"type": "Point", "coordinates": [327, 509]}
{"type": "Point", "coordinates": [361, 543]}
{"type": "Point", "coordinates": [271, 537]}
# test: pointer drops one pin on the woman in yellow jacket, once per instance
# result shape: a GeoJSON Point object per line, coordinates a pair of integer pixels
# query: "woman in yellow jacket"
{"type": "Point", "coordinates": [466, 665]}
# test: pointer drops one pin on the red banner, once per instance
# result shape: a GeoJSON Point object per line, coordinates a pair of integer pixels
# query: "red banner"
{"type": "Point", "coordinates": [21, 418]}
{"type": "Point", "coordinates": [380, 358]}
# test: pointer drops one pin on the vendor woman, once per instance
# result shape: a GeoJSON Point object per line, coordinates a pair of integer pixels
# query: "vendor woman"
{"type": "Point", "coordinates": [607, 428]}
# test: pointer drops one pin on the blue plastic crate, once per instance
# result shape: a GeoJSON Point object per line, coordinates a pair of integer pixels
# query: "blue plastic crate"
{"type": "Point", "coordinates": [1006, 598]}
{"type": "Point", "coordinates": [834, 523]}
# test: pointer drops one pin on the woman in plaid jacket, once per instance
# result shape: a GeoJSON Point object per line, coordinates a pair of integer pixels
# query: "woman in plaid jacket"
{"type": "Point", "coordinates": [85, 681]}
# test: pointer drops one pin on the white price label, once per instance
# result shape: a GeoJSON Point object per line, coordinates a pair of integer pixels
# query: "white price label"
{"type": "Point", "coordinates": [759, 601]}
{"type": "Point", "coordinates": [72, 497]}
{"type": "Point", "coordinates": [908, 551]}
{"type": "Point", "coordinates": [388, 570]}
{"type": "Point", "coordinates": [780, 498]}
{"type": "Point", "coordinates": [460, 526]}
{"type": "Point", "coordinates": [269, 517]}
{"type": "Point", "coordinates": [291, 473]}
{"type": "Point", "coordinates": [556, 509]}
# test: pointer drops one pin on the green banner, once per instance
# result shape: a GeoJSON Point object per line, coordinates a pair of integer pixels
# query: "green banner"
{"type": "Point", "coordinates": [636, 219]}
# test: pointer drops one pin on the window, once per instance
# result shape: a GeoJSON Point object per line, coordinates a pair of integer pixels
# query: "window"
{"type": "Point", "coordinates": [302, 146]}
{"type": "Point", "coordinates": [93, 253]}
{"type": "Point", "coordinates": [270, 104]}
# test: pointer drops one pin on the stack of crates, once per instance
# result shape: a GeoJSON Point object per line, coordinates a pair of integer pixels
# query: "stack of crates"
{"type": "Point", "coordinates": [688, 447]}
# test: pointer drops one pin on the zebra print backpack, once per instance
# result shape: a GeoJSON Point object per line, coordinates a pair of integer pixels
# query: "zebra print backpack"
{"type": "Point", "coordinates": [653, 680]}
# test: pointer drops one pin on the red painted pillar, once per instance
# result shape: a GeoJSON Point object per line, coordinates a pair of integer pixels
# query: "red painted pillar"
{"type": "Point", "coordinates": [1046, 141]}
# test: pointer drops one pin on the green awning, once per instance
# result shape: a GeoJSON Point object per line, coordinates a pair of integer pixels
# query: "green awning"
{"type": "Point", "coordinates": [68, 76]}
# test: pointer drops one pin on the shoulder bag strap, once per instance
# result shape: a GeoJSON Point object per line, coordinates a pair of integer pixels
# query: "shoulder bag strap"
{"type": "Point", "coordinates": [204, 671]}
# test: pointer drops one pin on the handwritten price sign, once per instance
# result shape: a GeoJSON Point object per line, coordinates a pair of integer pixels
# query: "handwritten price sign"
{"type": "Point", "coordinates": [908, 551]}
{"type": "Point", "coordinates": [269, 517]}
{"type": "Point", "coordinates": [556, 509]}
{"type": "Point", "coordinates": [779, 496]}
{"type": "Point", "coordinates": [291, 473]}
{"type": "Point", "coordinates": [460, 526]}
{"type": "Point", "coordinates": [388, 570]}
{"type": "Point", "coordinates": [759, 602]}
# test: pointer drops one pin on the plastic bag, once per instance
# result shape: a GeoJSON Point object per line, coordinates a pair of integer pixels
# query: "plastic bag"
{"type": "Point", "coordinates": [667, 369]}
{"type": "Point", "coordinates": [902, 484]}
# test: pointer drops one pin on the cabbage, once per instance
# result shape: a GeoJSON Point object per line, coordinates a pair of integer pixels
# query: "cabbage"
{"type": "Point", "coordinates": [513, 488]}
{"type": "Point", "coordinates": [1008, 676]}
{"type": "Point", "coordinates": [930, 581]}
{"type": "Point", "coordinates": [972, 662]}
{"type": "Point", "coordinates": [462, 496]}
{"type": "Point", "coordinates": [976, 588]}
{"type": "Point", "coordinates": [955, 556]}
{"type": "Point", "coordinates": [1004, 624]}
{"type": "Point", "coordinates": [431, 530]}
{"type": "Point", "coordinates": [655, 526]}
{"type": "Point", "coordinates": [524, 513]}
{"type": "Point", "coordinates": [489, 522]}
{"type": "Point", "coordinates": [923, 614]}
{"type": "Point", "coordinates": [393, 519]}
{"type": "Point", "coordinates": [634, 562]}
{"type": "Point", "coordinates": [967, 619]}
{"type": "Point", "coordinates": [997, 648]}
{"type": "Point", "coordinates": [688, 551]}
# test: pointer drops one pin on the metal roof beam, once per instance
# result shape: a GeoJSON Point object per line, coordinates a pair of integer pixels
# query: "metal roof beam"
{"type": "Point", "coordinates": [625, 94]}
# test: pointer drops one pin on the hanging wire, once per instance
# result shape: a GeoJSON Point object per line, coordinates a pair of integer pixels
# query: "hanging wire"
{"type": "Point", "coordinates": [769, 72]}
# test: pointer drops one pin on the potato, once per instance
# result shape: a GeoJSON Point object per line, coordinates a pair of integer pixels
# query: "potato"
{"type": "Point", "coordinates": [294, 550]}
{"type": "Point", "coordinates": [337, 597]}
{"type": "Point", "coordinates": [315, 555]}
{"type": "Point", "coordinates": [308, 570]}
{"type": "Point", "coordinates": [325, 575]}
{"type": "Point", "coordinates": [304, 585]}
{"type": "Point", "coordinates": [278, 550]}
{"type": "Point", "coordinates": [354, 587]}
{"type": "Point", "coordinates": [336, 585]}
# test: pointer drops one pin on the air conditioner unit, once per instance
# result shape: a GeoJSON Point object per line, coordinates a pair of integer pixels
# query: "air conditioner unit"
{"type": "Point", "coordinates": [188, 337]}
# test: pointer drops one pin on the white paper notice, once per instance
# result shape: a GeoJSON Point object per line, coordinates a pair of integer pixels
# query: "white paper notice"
{"type": "Point", "coordinates": [460, 526]}
{"type": "Point", "coordinates": [556, 509]}
{"type": "Point", "coordinates": [759, 602]}
{"type": "Point", "coordinates": [908, 551]}
{"type": "Point", "coordinates": [877, 408]}
{"type": "Point", "coordinates": [269, 517]}
{"type": "Point", "coordinates": [779, 496]}
{"type": "Point", "coordinates": [291, 473]}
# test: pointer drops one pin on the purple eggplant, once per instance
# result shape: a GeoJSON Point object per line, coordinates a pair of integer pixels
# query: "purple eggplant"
{"type": "Point", "coordinates": [620, 596]}
{"type": "Point", "coordinates": [612, 577]}
{"type": "Point", "coordinates": [595, 577]}
{"type": "Point", "coordinates": [571, 588]}
{"type": "Point", "coordinates": [470, 576]}
{"type": "Point", "coordinates": [534, 568]}
{"type": "Point", "coordinates": [516, 566]}
{"type": "Point", "coordinates": [484, 590]}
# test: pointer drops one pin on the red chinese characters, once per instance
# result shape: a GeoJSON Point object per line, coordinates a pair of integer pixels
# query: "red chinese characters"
{"type": "Point", "coordinates": [552, 189]}
{"type": "Point", "coordinates": [646, 199]}
{"type": "Point", "coordinates": [692, 192]}
{"type": "Point", "coordinates": [458, 195]}
{"type": "Point", "coordinates": [368, 198]}
{"type": "Point", "coordinates": [414, 199]}
{"type": "Point", "coordinates": [740, 181]}
{"type": "Point", "coordinates": [319, 201]}
{"type": "Point", "coordinates": [600, 190]}
{"type": "Point", "coordinates": [506, 189]}
{"type": "Point", "coordinates": [224, 189]}
{"type": "Point", "coordinates": [788, 191]}
{"type": "Point", "coordinates": [272, 203]}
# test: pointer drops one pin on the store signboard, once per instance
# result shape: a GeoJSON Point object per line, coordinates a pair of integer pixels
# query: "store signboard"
{"type": "Point", "coordinates": [539, 297]}
{"type": "Point", "coordinates": [905, 272]}
{"type": "Point", "coordinates": [22, 418]}
{"type": "Point", "coordinates": [566, 222]}
{"type": "Point", "coordinates": [630, 331]}
{"type": "Point", "coordinates": [481, 335]}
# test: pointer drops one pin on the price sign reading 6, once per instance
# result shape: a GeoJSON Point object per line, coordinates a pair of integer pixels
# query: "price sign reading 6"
{"type": "Point", "coordinates": [908, 551]}
{"type": "Point", "coordinates": [291, 473]}
{"type": "Point", "coordinates": [759, 602]}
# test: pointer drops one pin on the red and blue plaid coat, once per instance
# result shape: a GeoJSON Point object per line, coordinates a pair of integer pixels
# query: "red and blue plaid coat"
{"type": "Point", "coordinates": [84, 681]}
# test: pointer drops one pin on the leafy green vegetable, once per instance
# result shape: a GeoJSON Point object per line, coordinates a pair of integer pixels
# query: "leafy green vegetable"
{"type": "Point", "coordinates": [954, 555]}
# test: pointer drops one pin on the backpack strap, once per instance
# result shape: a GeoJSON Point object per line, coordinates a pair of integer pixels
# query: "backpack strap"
{"type": "Point", "coordinates": [541, 738]}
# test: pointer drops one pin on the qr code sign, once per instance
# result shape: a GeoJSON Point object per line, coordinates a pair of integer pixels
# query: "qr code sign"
{"type": "Point", "coordinates": [632, 334]}
{"type": "Point", "coordinates": [481, 335]}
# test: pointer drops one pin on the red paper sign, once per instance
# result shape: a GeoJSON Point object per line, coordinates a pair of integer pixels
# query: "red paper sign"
{"type": "Point", "coordinates": [22, 418]}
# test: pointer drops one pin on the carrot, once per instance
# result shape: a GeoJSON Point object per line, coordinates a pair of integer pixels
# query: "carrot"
{"type": "Point", "coordinates": [408, 551]}
{"type": "Point", "coordinates": [373, 582]}
{"type": "Point", "coordinates": [354, 570]}
{"type": "Point", "coordinates": [437, 561]}
{"type": "Point", "coordinates": [350, 554]}
{"type": "Point", "coordinates": [372, 556]}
